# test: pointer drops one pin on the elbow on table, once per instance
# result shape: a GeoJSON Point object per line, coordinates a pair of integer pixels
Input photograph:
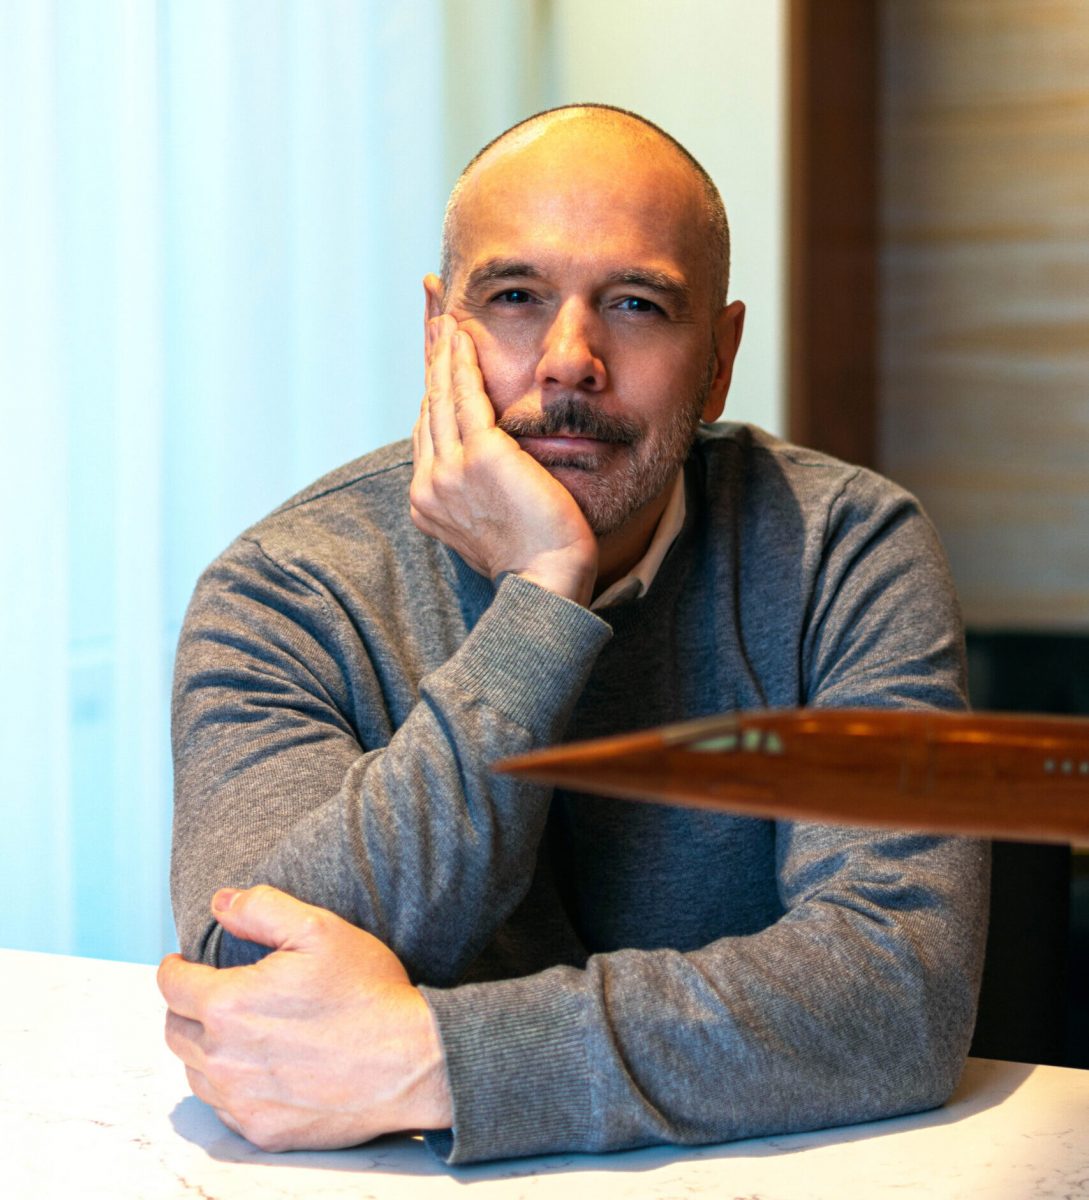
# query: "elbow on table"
{"type": "Point", "coordinates": [932, 1043]}
{"type": "Point", "coordinates": [935, 1015]}
{"type": "Point", "coordinates": [909, 1074]}
{"type": "Point", "coordinates": [938, 1079]}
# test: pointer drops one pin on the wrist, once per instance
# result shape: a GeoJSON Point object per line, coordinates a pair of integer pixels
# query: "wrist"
{"type": "Point", "coordinates": [428, 1103]}
{"type": "Point", "coordinates": [565, 575]}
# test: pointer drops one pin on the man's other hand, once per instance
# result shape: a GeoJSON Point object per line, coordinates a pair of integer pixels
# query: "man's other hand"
{"type": "Point", "coordinates": [478, 492]}
{"type": "Point", "coordinates": [323, 1043]}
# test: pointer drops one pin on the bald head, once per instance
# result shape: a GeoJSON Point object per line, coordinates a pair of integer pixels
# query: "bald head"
{"type": "Point", "coordinates": [569, 137]}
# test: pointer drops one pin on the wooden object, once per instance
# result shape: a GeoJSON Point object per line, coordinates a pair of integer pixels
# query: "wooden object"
{"type": "Point", "coordinates": [993, 775]}
{"type": "Point", "coordinates": [832, 263]}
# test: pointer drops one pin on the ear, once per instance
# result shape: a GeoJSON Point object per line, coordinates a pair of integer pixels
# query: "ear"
{"type": "Point", "coordinates": [729, 323]}
{"type": "Point", "coordinates": [433, 294]}
{"type": "Point", "coordinates": [433, 297]}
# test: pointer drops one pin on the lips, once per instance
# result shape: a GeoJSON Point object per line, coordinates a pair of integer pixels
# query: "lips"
{"type": "Point", "coordinates": [576, 453]}
{"type": "Point", "coordinates": [565, 443]}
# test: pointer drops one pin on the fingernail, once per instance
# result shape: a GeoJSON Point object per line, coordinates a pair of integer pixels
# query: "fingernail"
{"type": "Point", "coordinates": [223, 899]}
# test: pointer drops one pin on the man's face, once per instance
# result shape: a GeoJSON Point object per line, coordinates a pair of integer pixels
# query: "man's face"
{"type": "Point", "coordinates": [581, 274]}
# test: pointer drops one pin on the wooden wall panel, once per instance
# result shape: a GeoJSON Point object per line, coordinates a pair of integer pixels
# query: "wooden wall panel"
{"type": "Point", "coordinates": [983, 366]}
{"type": "Point", "coordinates": [833, 227]}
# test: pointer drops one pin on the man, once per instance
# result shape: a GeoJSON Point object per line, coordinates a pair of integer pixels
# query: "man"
{"type": "Point", "coordinates": [515, 971]}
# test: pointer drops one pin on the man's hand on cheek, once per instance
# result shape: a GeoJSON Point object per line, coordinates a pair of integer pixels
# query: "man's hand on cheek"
{"type": "Point", "coordinates": [324, 1043]}
{"type": "Point", "coordinates": [477, 491]}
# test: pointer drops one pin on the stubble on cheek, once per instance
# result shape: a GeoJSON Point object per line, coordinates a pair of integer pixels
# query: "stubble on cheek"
{"type": "Point", "coordinates": [634, 474]}
{"type": "Point", "coordinates": [636, 462]}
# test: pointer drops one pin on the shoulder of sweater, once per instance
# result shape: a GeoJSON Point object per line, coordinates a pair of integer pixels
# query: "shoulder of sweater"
{"type": "Point", "coordinates": [376, 483]}
{"type": "Point", "coordinates": [387, 469]}
{"type": "Point", "coordinates": [356, 508]}
{"type": "Point", "coordinates": [763, 458]}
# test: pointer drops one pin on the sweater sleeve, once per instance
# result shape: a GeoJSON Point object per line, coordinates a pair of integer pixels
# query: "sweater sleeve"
{"type": "Point", "coordinates": [857, 1003]}
{"type": "Point", "coordinates": [412, 837]}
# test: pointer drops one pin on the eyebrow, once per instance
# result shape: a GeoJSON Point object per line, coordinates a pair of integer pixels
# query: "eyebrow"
{"type": "Point", "coordinates": [496, 269]}
{"type": "Point", "coordinates": [662, 283]}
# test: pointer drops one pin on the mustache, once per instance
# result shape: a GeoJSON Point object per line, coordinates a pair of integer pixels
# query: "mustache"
{"type": "Point", "coordinates": [575, 417]}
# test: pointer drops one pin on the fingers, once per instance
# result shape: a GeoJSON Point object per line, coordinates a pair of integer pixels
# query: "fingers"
{"type": "Point", "coordinates": [267, 916]}
{"type": "Point", "coordinates": [442, 419]}
{"type": "Point", "coordinates": [203, 1090]}
{"type": "Point", "coordinates": [201, 1087]}
{"type": "Point", "coordinates": [185, 985]}
{"type": "Point", "coordinates": [472, 408]}
{"type": "Point", "coordinates": [458, 405]}
{"type": "Point", "coordinates": [228, 1120]}
{"type": "Point", "coordinates": [183, 1037]}
{"type": "Point", "coordinates": [477, 492]}
{"type": "Point", "coordinates": [423, 449]}
{"type": "Point", "coordinates": [436, 438]}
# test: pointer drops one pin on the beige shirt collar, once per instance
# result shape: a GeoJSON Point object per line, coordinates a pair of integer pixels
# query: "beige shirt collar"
{"type": "Point", "coordinates": [636, 582]}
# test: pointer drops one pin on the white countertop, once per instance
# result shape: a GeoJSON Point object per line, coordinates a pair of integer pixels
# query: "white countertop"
{"type": "Point", "coordinates": [92, 1104]}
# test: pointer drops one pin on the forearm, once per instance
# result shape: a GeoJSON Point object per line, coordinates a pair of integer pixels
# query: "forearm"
{"type": "Point", "coordinates": [857, 1004]}
{"type": "Point", "coordinates": [414, 840]}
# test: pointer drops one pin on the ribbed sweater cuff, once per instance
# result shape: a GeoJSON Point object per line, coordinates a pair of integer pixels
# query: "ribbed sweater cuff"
{"type": "Point", "coordinates": [517, 1063]}
{"type": "Point", "coordinates": [529, 654]}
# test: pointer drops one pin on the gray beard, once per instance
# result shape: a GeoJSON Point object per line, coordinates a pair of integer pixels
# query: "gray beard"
{"type": "Point", "coordinates": [645, 461]}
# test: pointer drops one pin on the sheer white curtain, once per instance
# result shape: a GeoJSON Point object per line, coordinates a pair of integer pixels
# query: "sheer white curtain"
{"type": "Point", "coordinates": [214, 216]}
{"type": "Point", "coordinates": [213, 222]}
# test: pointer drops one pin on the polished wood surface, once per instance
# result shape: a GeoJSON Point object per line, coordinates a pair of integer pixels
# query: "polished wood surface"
{"type": "Point", "coordinates": [993, 775]}
{"type": "Point", "coordinates": [832, 227]}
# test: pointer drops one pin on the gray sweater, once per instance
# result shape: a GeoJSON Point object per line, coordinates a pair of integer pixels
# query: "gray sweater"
{"type": "Point", "coordinates": [604, 974]}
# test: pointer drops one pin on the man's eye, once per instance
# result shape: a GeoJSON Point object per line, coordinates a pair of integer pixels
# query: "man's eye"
{"type": "Point", "coordinates": [638, 304]}
{"type": "Point", "coordinates": [513, 296]}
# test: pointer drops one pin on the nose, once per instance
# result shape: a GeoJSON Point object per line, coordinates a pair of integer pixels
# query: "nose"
{"type": "Point", "coordinates": [570, 353]}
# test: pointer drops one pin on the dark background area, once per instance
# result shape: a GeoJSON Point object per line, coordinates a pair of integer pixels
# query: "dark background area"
{"type": "Point", "coordinates": [1034, 1006]}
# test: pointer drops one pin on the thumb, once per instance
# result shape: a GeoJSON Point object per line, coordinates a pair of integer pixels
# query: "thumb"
{"type": "Point", "coordinates": [265, 915]}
